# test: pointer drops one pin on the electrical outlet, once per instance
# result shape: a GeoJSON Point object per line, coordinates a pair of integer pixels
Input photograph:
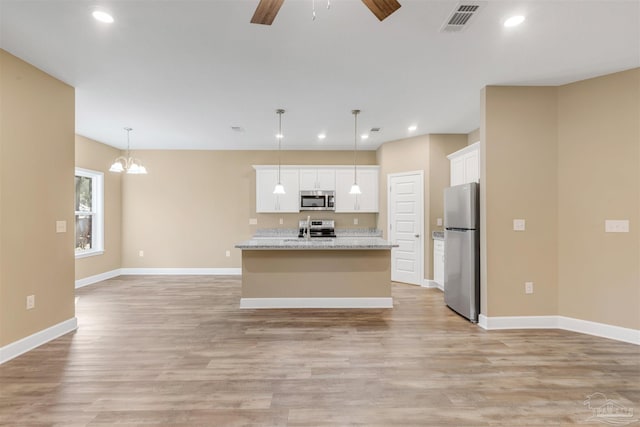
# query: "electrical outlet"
{"type": "Point", "coordinates": [528, 287]}
{"type": "Point", "coordinates": [61, 226]}
{"type": "Point", "coordinates": [518, 225]}
{"type": "Point", "coordinates": [439, 222]}
{"type": "Point", "coordinates": [227, 253]}
{"type": "Point", "coordinates": [31, 302]}
{"type": "Point", "coordinates": [141, 253]}
{"type": "Point", "coordinates": [355, 221]}
{"type": "Point", "coordinates": [253, 221]}
{"type": "Point", "coordinates": [616, 226]}
{"type": "Point", "coordinates": [281, 221]}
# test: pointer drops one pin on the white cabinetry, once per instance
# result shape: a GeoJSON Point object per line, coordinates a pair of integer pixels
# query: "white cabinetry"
{"type": "Point", "coordinates": [465, 165]}
{"type": "Point", "coordinates": [317, 179]}
{"type": "Point", "coordinates": [438, 262]}
{"type": "Point", "coordinates": [266, 179]}
{"type": "Point", "coordinates": [368, 182]}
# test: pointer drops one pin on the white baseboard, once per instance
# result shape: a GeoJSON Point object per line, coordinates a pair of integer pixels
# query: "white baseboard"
{"type": "Point", "coordinates": [617, 333]}
{"type": "Point", "coordinates": [316, 302]}
{"type": "Point", "coordinates": [98, 278]}
{"type": "Point", "coordinates": [428, 283]}
{"type": "Point", "coordinates": [183, 271]}
{"type": "Point", "coordinates": [603, 330]}
{"type": "Point", "coordinates": [16, 348]}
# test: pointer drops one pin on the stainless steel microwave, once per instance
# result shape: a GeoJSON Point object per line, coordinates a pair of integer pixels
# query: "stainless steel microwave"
{"type": "Point", "coordinates": [317, 200]}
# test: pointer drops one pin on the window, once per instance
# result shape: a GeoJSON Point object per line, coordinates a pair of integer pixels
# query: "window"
{"type": "Point", "coordinates": [89, 212]}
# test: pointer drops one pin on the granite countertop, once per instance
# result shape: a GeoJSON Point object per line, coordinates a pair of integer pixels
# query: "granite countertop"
{"type": "Point", "coordinates": [437, 235]}
{"type": "Point", "coordinates": [286, 233]}
{"type": "Point", "coordinates": [318, 243]}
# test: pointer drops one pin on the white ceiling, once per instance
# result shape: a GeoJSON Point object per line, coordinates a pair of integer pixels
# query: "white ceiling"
{"type": "Point", "coordinates": [181, 73]}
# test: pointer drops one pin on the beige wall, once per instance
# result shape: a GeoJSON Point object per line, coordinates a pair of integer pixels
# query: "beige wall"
{"type": "Point", "coordinates": [93, 155]}
{"type": "Point", "coordinates": [195, 205]}
{"type": "Point", "coordinates": [405, 155]}
{"type": "Point", "coordinates": [473, 136]}
{"type": "Point", "coordinates": [565, 159]}
{"type": "Point", "coordinates": [440, 146]}
{"type": "Point", "coordinates": [520, 181]}
{"type": "Point", "coordinates": [599, 178]}
{"type": "Point", "coordinates": [36, 190]}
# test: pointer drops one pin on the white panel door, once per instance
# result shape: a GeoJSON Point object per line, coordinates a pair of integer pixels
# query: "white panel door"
{"type": "Point", "coordinates": [405, 226]}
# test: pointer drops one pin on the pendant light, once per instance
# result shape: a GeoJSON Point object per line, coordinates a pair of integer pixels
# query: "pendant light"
{"type": "Point", "coordinates": [128, 164]}
{"type": "Point", "coordinates": [355, 188]}
{"type": "Point", "coordinates": [279, 188]}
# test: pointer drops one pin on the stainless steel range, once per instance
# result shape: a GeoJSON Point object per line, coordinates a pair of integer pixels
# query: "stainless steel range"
{"type": "Point", "coordinates": [317, 228]}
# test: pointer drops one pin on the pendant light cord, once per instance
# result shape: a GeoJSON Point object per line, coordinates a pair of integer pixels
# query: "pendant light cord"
{"type": "Point", "coordinates": [355, 145]}
{"type": "Point", "coordinates": [279, 136]}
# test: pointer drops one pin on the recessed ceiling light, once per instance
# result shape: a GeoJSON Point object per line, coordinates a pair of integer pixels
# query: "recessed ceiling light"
{"type": "Point", "coordinates": [322, 136]}
{"type": "Point", "coordinates": [412, 128]}
{"type": "Point", "coordinates": [514, 21]}
{"type": "Point", "coordinates": [102, 16]}
{"type": "Point", "coordinates": [279, 136]}
{"type": "Point", "coordinates": [364, 136]}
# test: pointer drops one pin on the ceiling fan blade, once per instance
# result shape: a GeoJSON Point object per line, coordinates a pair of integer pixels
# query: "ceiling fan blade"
{"type": "Point", "coordinates": [382, 8]}
{"type": "Point", "coordinates": [266, 12]}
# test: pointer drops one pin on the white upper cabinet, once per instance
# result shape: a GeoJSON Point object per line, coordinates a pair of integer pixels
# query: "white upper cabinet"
{"type": "Point", "coordinates": [465, 165]}
{"type": "Point", "coordinates": [317, 179]}
{"type": "Point", "coordinates": [266, 180]}
{"type": "Point", "coordinates": [368, 182]}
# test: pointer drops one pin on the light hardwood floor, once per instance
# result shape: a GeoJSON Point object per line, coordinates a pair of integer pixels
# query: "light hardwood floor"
{"type": "Point", "coordinates": [177, 350]}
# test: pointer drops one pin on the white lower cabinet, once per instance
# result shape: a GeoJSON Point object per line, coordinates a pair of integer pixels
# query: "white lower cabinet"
{"type": "Point", "coordinates": [266, 180]}
{"type": "Point", "coordinates": [367, 201]}
{"type": "Point", "coordinates": [438, 262]}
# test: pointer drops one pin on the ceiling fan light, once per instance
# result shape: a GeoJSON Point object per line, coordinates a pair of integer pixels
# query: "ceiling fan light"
{"type": "Point", "coordinates": [279, 189]}
{"type": "Point", "coordinates": [355, 189]}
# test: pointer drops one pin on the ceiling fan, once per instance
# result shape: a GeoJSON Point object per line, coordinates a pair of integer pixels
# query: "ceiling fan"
{"type": "Point", "coordinates": [268, 9]}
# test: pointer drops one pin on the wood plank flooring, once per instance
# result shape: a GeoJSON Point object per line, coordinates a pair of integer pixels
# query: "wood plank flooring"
{"type": "Point", "coordinates": [177, 351]}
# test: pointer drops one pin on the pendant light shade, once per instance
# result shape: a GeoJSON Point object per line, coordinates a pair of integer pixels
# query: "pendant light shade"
{"type": "Point", "coordinates": [128, 164]}
{"type": "Point", "coordinates": [279, 188]}
{"type": "Point", "coordinates": [355, 188]}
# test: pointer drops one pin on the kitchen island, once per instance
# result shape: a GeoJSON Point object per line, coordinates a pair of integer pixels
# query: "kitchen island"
{"type": "Point", "coordinates": [343, 272]}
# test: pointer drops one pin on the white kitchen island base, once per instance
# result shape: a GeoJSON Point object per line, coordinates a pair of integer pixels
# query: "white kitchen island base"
{"type": "Point", "coordinates": [311, 278]}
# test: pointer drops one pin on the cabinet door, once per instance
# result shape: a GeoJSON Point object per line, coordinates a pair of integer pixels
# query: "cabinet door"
{"type": "Point", "coordinates": [266, 201]}
{"type": "Point", "coordinates": [365, 202]}
{"type": "Point", "coordinates": [368, 200]}
{"type": "Point", "coordinates": [308, 179]}
{"type": "Point", "coordinates": [345, 202]}
{"type": "Point", "coordinates": [472, 167]}
{"type": "Point", "coordinates": [438, 262]}
{"type": "Point", "coordinates": [326, 179]}
{"type": "Point", "coordinates": [266, 180]}
{"type": "Point", "coordinates": [289, 202]}
{"type": "Point", "coordinates": [457, 171]}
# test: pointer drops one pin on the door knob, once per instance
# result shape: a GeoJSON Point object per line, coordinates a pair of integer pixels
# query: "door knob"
{"type": "Point", "coordinates": [417, 235]}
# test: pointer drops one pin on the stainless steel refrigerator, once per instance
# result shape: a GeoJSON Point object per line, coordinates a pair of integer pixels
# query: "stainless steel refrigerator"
{"type": "Point", "coordinates": [462, 250]}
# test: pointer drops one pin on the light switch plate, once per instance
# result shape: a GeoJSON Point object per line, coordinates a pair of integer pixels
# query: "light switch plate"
{"type": "Point", "coordinates": [528, 287]}
{"type": "Point", "coordinates": [518, 225]}
{"type": "Point", "coordinates": [439, 222]}
{"type": "Point", "coordinates": [253, 221]}
{"type": "Point", "coordinates": [355, 221]}
{"type": "Point", "coordinates": [61, 226]}
{"type": "Point", "coordinates": [616, 226]}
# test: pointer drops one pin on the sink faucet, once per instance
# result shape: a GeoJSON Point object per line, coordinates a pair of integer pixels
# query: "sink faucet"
{"type": "Point", "coordinates": [307, 232]}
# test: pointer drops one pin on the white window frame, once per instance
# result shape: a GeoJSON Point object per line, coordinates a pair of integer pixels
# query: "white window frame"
{"type": "Point", "coordinates": [97, 222]}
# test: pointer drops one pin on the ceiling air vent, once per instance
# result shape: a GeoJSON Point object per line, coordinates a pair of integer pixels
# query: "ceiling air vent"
{"type": "Point", "coordinates": [375, 129]}
{"type": "Point", "coordinates": [460, 17]}
{"type": "Point", "coordinates": [237, 129]}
